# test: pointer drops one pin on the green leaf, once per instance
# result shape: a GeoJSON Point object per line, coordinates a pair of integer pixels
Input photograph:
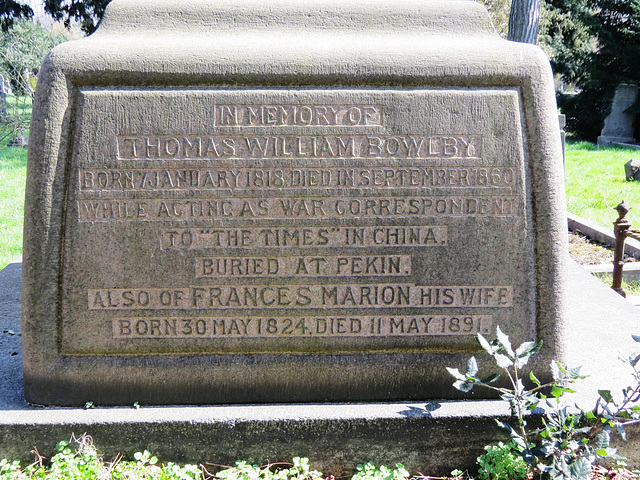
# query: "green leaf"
{"type": "Point", "coordinates": [472, 367]}
{"type": "Point", "coordinates": [567, 390]}
{"type": "Point", "coordinates": [502, 360]}
{"type": "Point", "coordinates": [574, 372]}
{"type": "Point", "coordinates": [528, 457]}
{"type": "Point", "coordinates": [580, 469]}
{"type": "Point", "coordinates": [485, 345]}
{"type": "Point", "coordinates": [524, 348]}
{"type": "Point", "coordinates": [556, 391]}
{"type": "Point", "coordinates": [522, 361]}
{"type": "Point", "coordinates": [504, 341]}
{"type": "Point", "coordinates": [534, 379]}
{"type": "Point", "coordinates": [537, 348]}
{"type": "Point", "coordinates": [492, 378]}
{"type": "Point", "coordinates": [602, 440]}
{"type": "Point", "coordinates": [621, 431]}
{"type": "Point", "coordinates": [515, 436]}
{"type": "Point", "coordinates": [456, 373]}
{"type": "Point", "coordinates": [606, 395]}
{"type": "Point", "coordinates": [542, 451]}
{"type": "Point", "coordinates": [463, 386]}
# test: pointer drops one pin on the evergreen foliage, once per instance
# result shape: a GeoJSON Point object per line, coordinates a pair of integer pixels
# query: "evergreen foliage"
{"type": "Point", "coordinates": [23, 47]}
{"type": "Point", "coordinates": [87, 12]}
{"type": "Point", "coordinates": [22, 50]}
{"type": "Point", "coordinates": [595, 46]}
{"type": "Point", "coordinates": [11, 10]}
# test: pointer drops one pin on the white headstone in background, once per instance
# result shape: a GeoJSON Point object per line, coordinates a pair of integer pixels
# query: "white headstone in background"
{"type": "Point", "coordinates": [619, 125]}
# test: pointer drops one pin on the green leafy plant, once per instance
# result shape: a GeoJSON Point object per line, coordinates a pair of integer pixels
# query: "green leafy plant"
{"type": "Point", "coordinates": [501, 463]}
{"type": "Point", "coordinates": [300, 470]}
{"type": "Point", "coordinates": [570, 439]}
{"type": "Point", "coordinates": [369, 471]}
{"type": "Point", "coordinates": [80, 460]}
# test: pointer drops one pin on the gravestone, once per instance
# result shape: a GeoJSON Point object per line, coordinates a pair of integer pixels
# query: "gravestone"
{"type": "Point", "coordinates": [283, 201]}
{"type": "Point", "coordinates": [19, 141]}
{"type": "Point", "coordinates": [632, 170]}
{"type": "Point", "coordinates": [619, 124]}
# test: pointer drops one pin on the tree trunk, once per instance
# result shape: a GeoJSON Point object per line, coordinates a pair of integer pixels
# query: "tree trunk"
{"type": "Point", "coordinates": [524, 20]}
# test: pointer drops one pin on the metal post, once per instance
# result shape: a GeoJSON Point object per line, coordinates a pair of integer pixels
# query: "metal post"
{"type": "Point", "coordinates": [620, 229]}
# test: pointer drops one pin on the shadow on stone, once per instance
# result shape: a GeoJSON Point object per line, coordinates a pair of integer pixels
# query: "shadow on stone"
{"type": "Point", "coordinates": [416, 412]}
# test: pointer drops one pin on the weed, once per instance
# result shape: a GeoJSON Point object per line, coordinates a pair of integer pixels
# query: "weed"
{"type": "Point", "coordinates": [369, 471]}
{"type": "Point", "coordinates": [80, 460]}
{"type": "Point", "coordinates": [300, 470]}
{"type": "Point", "coordinates": [501, 463]}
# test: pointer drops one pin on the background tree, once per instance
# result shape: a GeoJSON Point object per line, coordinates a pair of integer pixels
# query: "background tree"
{"type": "Point", "coordinates": [10, 10]}
{"type": "Point", "coordinates": [22, 49]}
{"type": "Point", "coordinates": [595, 46]}
{"type": "Point", "coordinates": [87, 12]}
{"type": "Point", "coordinates": [499, 13]}
{"type": "Point", "coordinates": [524, 20]}
{"type": "Point", "coordinates": [516, 20]}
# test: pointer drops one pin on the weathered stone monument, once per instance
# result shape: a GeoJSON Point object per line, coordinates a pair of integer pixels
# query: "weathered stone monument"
{"type": "Point", "coordinates": [632, 170]}
{"type": "Point", "coordinates": [619, 125]}
{"type": "Point", "coordinates": [284, 201]}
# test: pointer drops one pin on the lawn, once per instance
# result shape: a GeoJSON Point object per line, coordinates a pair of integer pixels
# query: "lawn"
{"type": "Point", "coordinates": [595, 182]}
{"type": "Point", "coordinates": [594, 178]}
{"type": "Point", "coordinates": [13, 173]}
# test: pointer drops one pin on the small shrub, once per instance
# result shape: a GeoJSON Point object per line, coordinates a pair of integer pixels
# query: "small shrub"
{"type": "Point", "coordinates": [570, 440]}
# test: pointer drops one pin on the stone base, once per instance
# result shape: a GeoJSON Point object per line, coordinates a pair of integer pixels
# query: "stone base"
{"type": "Point", "coordinates": [604, 140]}
{"type": "Point", "coordinates": [432, 438]}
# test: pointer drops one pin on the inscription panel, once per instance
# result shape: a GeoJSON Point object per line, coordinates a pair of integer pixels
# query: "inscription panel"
{"type": "Point", "coordinates": [311, 220]}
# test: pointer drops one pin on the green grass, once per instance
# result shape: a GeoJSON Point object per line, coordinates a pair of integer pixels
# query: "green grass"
{"type": "Point", "coordinates": [13, 172]}
{"type": "Point", "coordinates": [630, 288]}
{"type": "Point", "coordinates": [595, 182]}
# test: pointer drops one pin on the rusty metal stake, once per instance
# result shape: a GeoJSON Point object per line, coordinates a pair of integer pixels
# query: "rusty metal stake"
{"type": "Point", "coordinates": [621, 230]}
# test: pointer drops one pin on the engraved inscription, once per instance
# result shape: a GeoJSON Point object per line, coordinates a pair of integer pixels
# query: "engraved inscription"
{"type": "Point", "coordinates": [303, 266]}
{"type": "Point", "coordinates": [299, 146]}
{"type": "Point", "coordinates": [300, 296]}
{"type": "Point", "coordinates": [154, 209]}
{"type": "Point", "coordinates": [289, 214]}
{"type": "Point", "coordinates": [285, 177]}
{"type": "Point", "coordinates": [284, 327]}
{"type": "Point", "coordinates": [298, 115]}
{"type": "Point", "coordinates": [391, 236]}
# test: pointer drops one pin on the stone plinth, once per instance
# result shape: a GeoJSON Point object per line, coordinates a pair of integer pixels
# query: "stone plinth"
{"type": "Point", "coordinates": [284, 201]}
